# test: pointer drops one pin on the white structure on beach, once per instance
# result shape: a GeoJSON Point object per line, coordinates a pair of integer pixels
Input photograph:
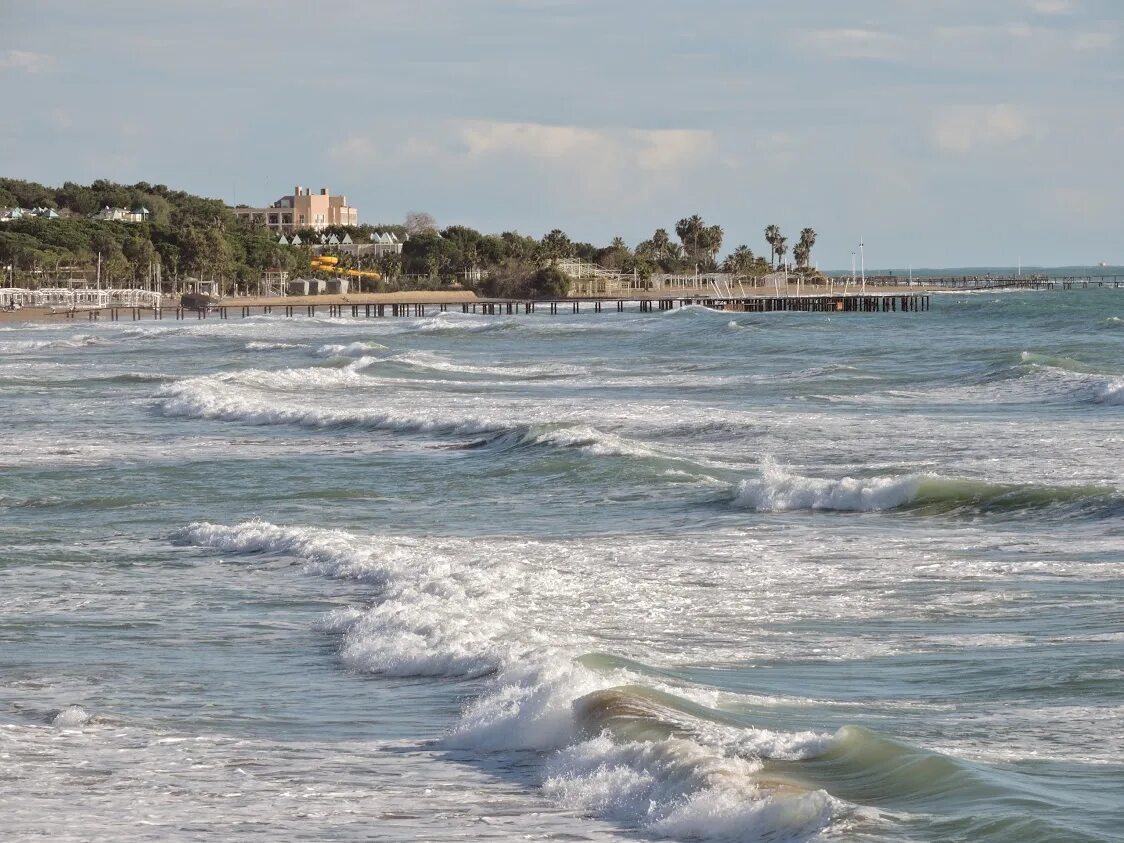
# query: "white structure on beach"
{"type": "Point", "coordinates": [588, 280]}
{"type": "Point", "coordinates": [79, 298]}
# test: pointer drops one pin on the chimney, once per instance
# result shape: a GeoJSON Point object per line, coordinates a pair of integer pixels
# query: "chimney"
{"type": "Point", "coordinates": [323, 191]}
{"type": "Point", "coordinates": [297, 190]}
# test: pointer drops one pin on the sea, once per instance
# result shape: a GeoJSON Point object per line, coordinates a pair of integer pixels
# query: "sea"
{"type": "Point", "coordinates": [692, 576]}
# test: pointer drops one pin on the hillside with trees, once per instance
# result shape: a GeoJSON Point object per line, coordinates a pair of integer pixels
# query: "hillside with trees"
{"type": "Point", "coordinates": [186, 235]}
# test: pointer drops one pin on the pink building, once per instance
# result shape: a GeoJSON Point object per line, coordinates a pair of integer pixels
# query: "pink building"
{"type": "Point", "coordinates": [303, 209]}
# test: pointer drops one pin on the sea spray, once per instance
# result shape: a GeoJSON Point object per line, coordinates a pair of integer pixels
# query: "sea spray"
{"type": "Point", "coordinates": [439, 611]}
{"type": "Point", "coordinates": [778, 490]}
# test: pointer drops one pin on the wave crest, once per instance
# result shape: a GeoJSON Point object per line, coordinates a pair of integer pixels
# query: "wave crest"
{"type": "Point", "coordinates": [457, 607]}
{"type": "Point", "coordinates": [778, 490]}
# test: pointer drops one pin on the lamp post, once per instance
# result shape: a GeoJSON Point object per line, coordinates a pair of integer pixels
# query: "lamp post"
{"type": "Point", "coordinates": [862, 265]}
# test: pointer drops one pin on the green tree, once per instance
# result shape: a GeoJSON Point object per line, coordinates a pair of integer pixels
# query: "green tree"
{"type": "Point", "coordinates": [389, 265]}
{"type": "Point", "coordinates": [140, 254]}
{"type": "Point", "coordinates": [802, 252]}
{"type": "Point", "coordinates": [614, 256]}
{"type": "Point", "coordinates": [772, 234]}
{"type": "Point", "coordinates": [710, 243]}
{"type": "Point", "coordinates": [741, 261]}
{"type": "Point", "coordinates": [690, 231]}
{"type": "Point", "coordinates": [555, 245]}
{"type": "Point", "coordinates": [781, 248]}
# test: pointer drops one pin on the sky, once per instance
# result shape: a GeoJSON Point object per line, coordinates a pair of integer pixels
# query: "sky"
{"type": "Point", "coordinates": [937, 132]}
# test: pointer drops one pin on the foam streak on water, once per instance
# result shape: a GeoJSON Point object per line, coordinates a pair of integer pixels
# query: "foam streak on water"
{"type": "Point", "coordinates": [687, 576]}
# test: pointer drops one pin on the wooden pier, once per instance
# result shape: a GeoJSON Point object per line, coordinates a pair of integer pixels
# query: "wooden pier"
{"type": "Point", "coordinates": [988, 282]}
{"type": "Point", "coordinates": [873, 303]}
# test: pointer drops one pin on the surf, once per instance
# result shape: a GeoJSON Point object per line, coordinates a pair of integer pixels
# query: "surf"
{"type": "Point", "coordinates": [437, 611]}
{"type": "Point", "coordinates": [777, 489]}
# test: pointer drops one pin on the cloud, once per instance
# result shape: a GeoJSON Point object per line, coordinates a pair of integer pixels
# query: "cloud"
{"type": "Point", "coordinates": [1051, 7]}
{"type": "Point", "coordinates": [26, 62]}
{"type": "Point", "coordinates": [964, 128]}
{"type": "Point", "coordinates": [854, 44]}
{"type": "Point", "coordinates": [591, 162]}
{"type": "Point", "coordinates": [651, 150]}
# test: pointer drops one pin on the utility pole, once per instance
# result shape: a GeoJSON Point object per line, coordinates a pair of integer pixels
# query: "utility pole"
{"type": "Point", "coordinates": [862, 265]}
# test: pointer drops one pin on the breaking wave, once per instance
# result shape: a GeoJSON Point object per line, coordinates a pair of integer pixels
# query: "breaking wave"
{"type": "Point", "coordinates": [779, 490]}
{"type": "Point", "coordinates": [643, 756]}
{"type": "Point", "coordinates": [435, 362]}
{"type": "Point", "coordinates": [77, 341]}
{"type": "Point", "coordinates": [257, 345]}
{"type": "Point", "coordinates": [238, 397]}
{"type": "Point", "coordinates": [611, 737]}
{"type": "Point", "coordinates": [1034, 378]}
{"type": "Point", "coordinates": [1110, 393]}
{"type": "Point", "coordinates": [353, 349]}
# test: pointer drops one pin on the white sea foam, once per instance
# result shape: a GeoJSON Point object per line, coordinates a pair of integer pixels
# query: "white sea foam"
{"type": "Point", "coordinates": [71, 717]}
{"type": "Point", "coordinates": [77, 341]}
{"type": "Point", "coordinates": [257, 345]}
{"type": "Point", "coordinates": [352, 349]}
{"type": "Point", "coordinates": [249, 397]}
{"type": "Point", "coordinates": [679, 788]}
{"type": "Point", "coordinates": [261, 397]}
{"type": "Point", "coordinates": [454, 607]}
{"type": "Point", "coordinates": [1110, 393]}
{"type": "Point", "coordinates": [430, 360]}
{"type": "Point", "coordinates": [459, 323]}
{"type": "Point", "coordinates": [585, 438]}
{"type": "Point", "coordinates": [778, 490]}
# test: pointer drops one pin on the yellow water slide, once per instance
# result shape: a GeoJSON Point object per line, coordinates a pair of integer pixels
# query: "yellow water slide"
{"type": "Point", "coordinates": [329, 263]}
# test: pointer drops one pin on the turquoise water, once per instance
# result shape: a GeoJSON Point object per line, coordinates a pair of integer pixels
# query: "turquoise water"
{"type": "Point", "coordinates": [689, 576]}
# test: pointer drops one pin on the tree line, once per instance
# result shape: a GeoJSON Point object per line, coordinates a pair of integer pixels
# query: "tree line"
{"type": "Point", "coordinates": [191, 235]}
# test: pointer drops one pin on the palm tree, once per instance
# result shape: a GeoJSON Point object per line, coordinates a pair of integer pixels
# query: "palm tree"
{"type": "Point", "coordinates": [807, 241]}
{"type": "Point", "coordinates": [690, 230]}
{"type": "Point", "coordinates": [772, 234]}
{"type": "Point", "coordinates": [740, 261]}
{"type": "Point", "coordinates": [781, 248]}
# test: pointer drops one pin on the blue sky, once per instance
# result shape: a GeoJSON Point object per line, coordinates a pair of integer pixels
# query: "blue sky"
{"type": "Point", "coordinates": [942, 132]}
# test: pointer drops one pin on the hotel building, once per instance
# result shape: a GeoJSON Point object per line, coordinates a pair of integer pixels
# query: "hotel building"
{"type": "Point", "coordinates": [303, 209]}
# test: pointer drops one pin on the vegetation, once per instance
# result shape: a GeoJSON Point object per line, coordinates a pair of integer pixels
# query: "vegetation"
{"type": "Point", "coordinates": [188, 235]}
{"type": "Point", "coordinates": [185, 235]}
